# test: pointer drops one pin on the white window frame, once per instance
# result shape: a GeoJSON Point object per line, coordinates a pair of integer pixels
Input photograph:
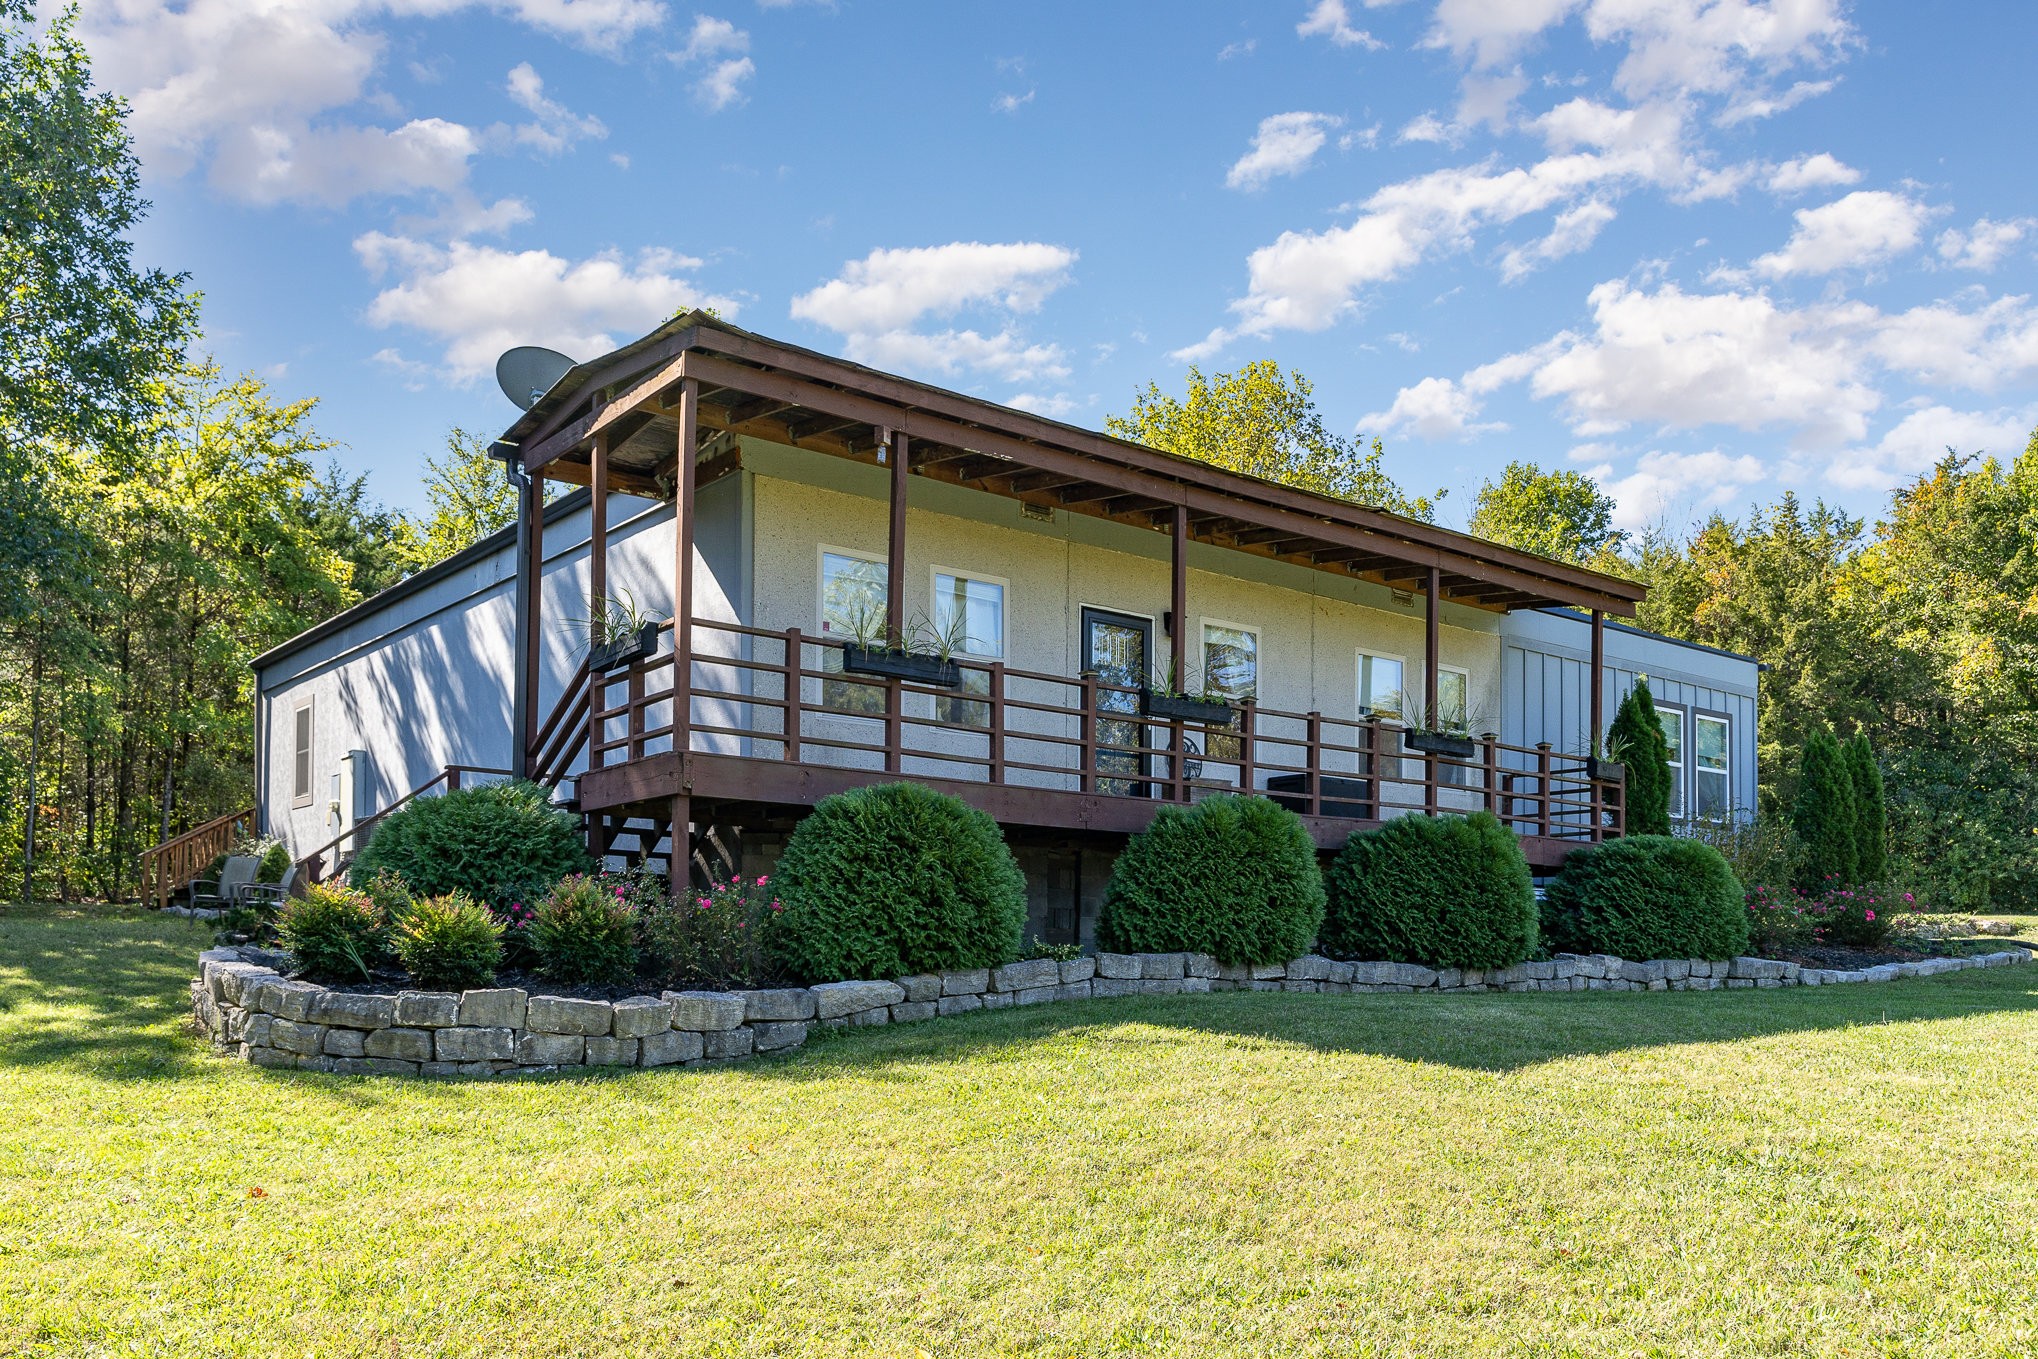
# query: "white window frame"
{"type": "Point", "coordinates": [1463, 673]}
{"type": "Point", "coordinates": [1726, 720]}
{"type": "Point", "coordinates": [934, 575]}
{"type": "Point", "coordinates": [1681, 785]}
{"type": "Point", "coordinates": [1359, 682]}
{"type": "Point", "coordinates": [822, 552]}
{"type": "Point", "coordinates": [308, 706]}
{"type": "Point", "coordinates": [1203, 626]}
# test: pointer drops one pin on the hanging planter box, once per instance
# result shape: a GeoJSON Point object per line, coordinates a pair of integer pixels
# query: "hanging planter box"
{"type": "Point", "coordinates": [1440, 743]}
{"type": "Point", "coordinates": [603, 657]}
{"type": "Point", "coordinates": [1611, 770]}
{"type": "Point", "coordinates": [905, 665]}
{"type": "Point", "coordinates": [1213, 711]}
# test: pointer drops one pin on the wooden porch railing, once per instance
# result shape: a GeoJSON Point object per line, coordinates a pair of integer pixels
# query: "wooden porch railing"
{"type": "Point", "coordinates": [1028, 729]}
{"type": "Point", "coordinates": [563, 734]}
{"type": "Point", "coordinates": [311, 867]}
{"type": "Point", "coordinates": [168, 868]}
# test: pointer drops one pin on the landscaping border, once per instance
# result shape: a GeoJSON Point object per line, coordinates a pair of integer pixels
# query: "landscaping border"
{"type": "Point", "coordinates": [251, 1010]}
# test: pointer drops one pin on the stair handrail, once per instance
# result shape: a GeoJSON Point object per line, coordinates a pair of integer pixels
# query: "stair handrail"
{"type": "Point", "coordinates": [310, 867]}
{"type": "Point", "coordinates": [216, 835]}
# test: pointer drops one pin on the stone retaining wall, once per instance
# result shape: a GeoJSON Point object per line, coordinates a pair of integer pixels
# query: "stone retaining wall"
{"type": "Point", "coordinates": [252, 1010]}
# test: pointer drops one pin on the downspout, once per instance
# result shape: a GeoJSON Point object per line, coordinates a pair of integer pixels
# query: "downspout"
{"type": "Point", "coordinates": [520, 695]}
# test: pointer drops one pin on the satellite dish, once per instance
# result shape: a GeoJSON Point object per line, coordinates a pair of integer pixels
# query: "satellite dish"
{"type": "Point", "coordinates": [528, 372]}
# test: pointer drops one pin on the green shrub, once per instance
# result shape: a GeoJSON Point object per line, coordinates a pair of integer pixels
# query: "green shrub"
{"type": "Point", "coordinates": [896, 879]}
{"type": "Point", "coordinates": [717, 936]}
{"type": "Point", "coordinates": [334, 932]}
{"type": "Point", "coordinates": [1444, 891]}
{"type": "Point", "coordinates": [1825, 817]}
{"type": "Point", "coordinates": [1636, 739]}
{"type": "Point", "coordinates": [448, 943]}
{"type": "Point", "coordinates": [585, 932]}
{"type": "Point", "coordinates": [275, 863]}
{"type": "Point", "coordinates": [1647, 896]}
{"type": "Point", "coordinates": [1871, 819]}
{"type": "Point", "coordinates": [498, 842]}
{"type": "Point", "coordinates": [1234, 877]}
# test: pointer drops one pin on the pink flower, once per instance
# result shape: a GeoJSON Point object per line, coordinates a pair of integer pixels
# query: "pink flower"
{"type": "Point", "coordinates": [1871, 915]}
{"type": "Point", "coordinates": [1909, 897]}
{"type": "Point", "coordinates": [762, 880]}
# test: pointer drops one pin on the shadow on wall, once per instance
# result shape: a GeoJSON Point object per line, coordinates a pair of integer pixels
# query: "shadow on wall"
{"type": "Point", "coordinates": [420, 707]}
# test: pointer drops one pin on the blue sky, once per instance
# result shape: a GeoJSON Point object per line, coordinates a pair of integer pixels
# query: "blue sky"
{"type": "Point", "coordinates": [1703, 249]}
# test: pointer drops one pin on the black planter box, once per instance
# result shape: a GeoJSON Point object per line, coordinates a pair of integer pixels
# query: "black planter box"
{"type": "Point", "coordinates": [1348, 798]}
{"type": "Point", "coordinates": [905, 665]}
{"type": "Point", "coordinates": [1215, 712]}
{"type": "Point", "coordinates": [631, 646]}
{"type": "Point", "coordinates": [1612, 770]}
{"type": "Point", "coordinates": [1440, 743]}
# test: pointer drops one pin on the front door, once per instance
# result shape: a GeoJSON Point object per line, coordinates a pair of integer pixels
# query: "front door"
{"type": "Point", "coordinates": [1118, 647]}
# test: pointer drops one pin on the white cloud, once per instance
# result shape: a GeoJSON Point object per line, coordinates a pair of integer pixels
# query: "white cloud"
{"type": "Point", "coordinates": [1574, 230]}
{"type": "Point", "coordinates": [476, 301]}
{"type": "Point", "coordinates": [1678, 485]}
{"type": "Point", "coordinates": [1923, 437]}
{"type": "Point", "coordinates": [1012, 103]}
{"type": "Point", "coordinates": [1434, 409]}
{"type": "Point", "coordinates": [1489, 32]}
{"type": "Point", "coordinates": [1822, 171]}
{"type": "Point", "coordinates": [1866, 227]}
{"type": "Point", "coordinates": [1284, 145]}
{"type": "Point", "coordinates": [1427, 127]}
{"type": "Point", "coordinates": [1983, 348]}
{"type": "Point", "coordinates": [1053, 405]}
{"type": "Point", "coordinates": [1237, 49]}
{"type": "Point", "coordinates": [1753, 106]}
{"type": "Point", "coordinates": [333, 165]}
{"type": "Point", "coordinates": [717, 45]}
{"type": "Point", "coordinates": [554, 127]}
{"type": "Point", "coordinates": [1329, 19]}
{"type": "Point", "coordinates": [1984, 244]}
{"type": "Point", "coordinates": [876, 302]}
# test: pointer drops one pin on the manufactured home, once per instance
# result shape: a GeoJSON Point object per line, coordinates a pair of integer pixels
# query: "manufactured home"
{"type": "Point", "coordinates": [808, 576]}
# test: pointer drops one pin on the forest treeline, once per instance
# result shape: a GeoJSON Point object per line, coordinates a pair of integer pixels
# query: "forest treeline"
{"type": "Point", "coordinates": [163, 522]}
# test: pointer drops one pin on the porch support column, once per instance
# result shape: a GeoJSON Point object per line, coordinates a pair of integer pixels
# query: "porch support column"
{"type": "Point", "coordinates": [1598, 681]}
{"type": "Point", "coordinates": [682, 585]}
{"type": "Point", "coordinates": [530, 640]}
{"type": "Point", "coordinates": [1178, 601]}
{"type": "Point", "coordinates": [598, 539]}
{"type": "Point", "coordinates": [895, 545]}
{"type": "Point", "coordinates": [1431, 641]}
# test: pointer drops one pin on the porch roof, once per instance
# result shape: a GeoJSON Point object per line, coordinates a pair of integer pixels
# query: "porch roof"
{"type": "Point", "coordinates": [752, 385]}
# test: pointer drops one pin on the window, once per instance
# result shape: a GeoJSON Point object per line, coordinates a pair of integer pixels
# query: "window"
{"type": "Point", "coordinates": [1673, 738]}
{"type": "Point", "coordinates": [854, 596]}
{"type": "Point", "coordinates": [969, 612]}
{"type": "Point", "coordinates": [1712, 792]}
{"type": "Point", "coordinates": [1379, 686]}
{"type": "Point", "coordinates": [300, 765]}
{"type": "Point", "coordinates": [1231, 667]}
{"type": "Point", "coordinates": [1454, 689]}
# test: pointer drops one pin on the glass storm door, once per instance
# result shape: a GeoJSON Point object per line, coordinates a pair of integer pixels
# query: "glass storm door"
{"type": "Point", "coordinates": [1118, 646]}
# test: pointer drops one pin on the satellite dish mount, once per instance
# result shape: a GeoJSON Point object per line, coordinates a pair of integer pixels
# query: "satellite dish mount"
{"type": "Point", "coordinates": [527, 372]}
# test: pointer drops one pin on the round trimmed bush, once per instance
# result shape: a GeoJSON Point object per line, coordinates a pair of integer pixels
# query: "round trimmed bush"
{"type": "Point", "coordinates": [448, 943]}
{"type": "Point", "coordinates": [333, 931]}
{"type": "Point", "coordinates": [1647, 896]}
{"type": "Point", "coordinates": [1443, 891]}
{"type": "Point", "coordinates": [892, 880]}
{"type": "Point", "coordinates": [497, 842]}
{"type": "Point", "coordinates": [1234, 877]}
{"type": "Point", "coordinates": [585, 932]}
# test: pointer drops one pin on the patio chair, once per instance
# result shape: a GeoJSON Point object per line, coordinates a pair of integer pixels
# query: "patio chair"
{"type": "Point", "coordinates": [220, 894]}
{"type": "Point", "coordinates": [269, 897]}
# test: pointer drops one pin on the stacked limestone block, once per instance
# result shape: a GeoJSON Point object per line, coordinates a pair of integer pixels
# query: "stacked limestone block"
{"type": "Point", "coordinates": [252, 1011]}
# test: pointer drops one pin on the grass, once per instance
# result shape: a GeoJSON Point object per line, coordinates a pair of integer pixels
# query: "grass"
{"type": "Point", "coordinates": [1840, 1170]}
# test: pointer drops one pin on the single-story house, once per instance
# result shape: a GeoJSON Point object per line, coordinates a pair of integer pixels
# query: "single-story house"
{"type": "Point", "coordinates": [870, 578]}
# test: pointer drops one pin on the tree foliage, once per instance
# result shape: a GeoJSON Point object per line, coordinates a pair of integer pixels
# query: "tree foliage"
{"type": "Point", "coordinates": [1636, 739]}
{"type": "Point", "coordinates": [1871, 819]}
{"type": "Point", "coordinates": [470, 499]}
{"type": "Point", "coordinates": [1263, 422]}
{"type": "Point", "coordinates": [1560, 514]}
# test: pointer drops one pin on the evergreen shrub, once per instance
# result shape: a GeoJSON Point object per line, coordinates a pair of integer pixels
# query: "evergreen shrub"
{"type": "Point", "coordinates": [895, 879]}
{"type": "Point", "coordinates": [1443, 891]}
{"type": "Point", "coordinates": [1234, 877]}
{"type": "Point", "coordinates": [1871, 828]}
{"type": "Point", "coordinates": [274, 864]}
{"type": "Point", "coordinates": [1825, 816]}
{"type": "Point", "coordinates": [585, 932]}
{"type": "Point", "coordinates": [448, 943]}
{"type": "Point", "coordinates": [497, 842]}
{"type": "Point", "coordinates": [1636, 739]}
{"type": "Point", "coordinates": [1644, 897]}
{"type": "Point", "coordinates": [335, 932]}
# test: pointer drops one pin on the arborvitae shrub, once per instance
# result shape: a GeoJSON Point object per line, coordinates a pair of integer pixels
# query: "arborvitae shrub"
{"type": "Point", "coordinates": [275, 863]}
{"type": "Point", "coordinates": [1643, 897]}
{"type": "Point", "coordinates": [1234, 877]}
{"type": "Point", "coordinates": [1636, 740]}
{"type": "Point", "coordinates": [1444, 891]}
{"type": "Point", "coordinates": [1871, 820]}
{"type": "Point", "coordinates": [585, 932]}
{"type": "Point", "coordinates": [335, 933]}
{"type": "Point", "coordinates": [893, 880]}
{"type": "Point", "coordinates": [1825, 817]}
{"type": "Point", "coordinates": [448, 943]}
{"type": "Point", "coordinates": [497, 842]}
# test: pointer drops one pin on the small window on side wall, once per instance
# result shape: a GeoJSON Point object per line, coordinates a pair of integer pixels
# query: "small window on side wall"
{"type": "Point", "coordinates": [1231, 669]}
{"type": "Point", "coordinates": [1380, 686]}
{"type": "Point", "coordinates": [300, 754]}
{"type": "Point", "coordinates": [969, 613]}
{"type": "Point", "coordinates": [1711, 772]}
{"type": "Point", "coordinates": [1672, 720]}
{"type": "Point", "coordinates": [855, 592]}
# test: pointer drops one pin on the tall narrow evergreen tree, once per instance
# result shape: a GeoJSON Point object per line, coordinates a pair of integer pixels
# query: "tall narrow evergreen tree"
{"type": "Point", "coordinates": [1825, 816]}
{"type": "Point", "coordinates": [1871, 833]}
{"type": "Point", "coordinates": [1636, 740]}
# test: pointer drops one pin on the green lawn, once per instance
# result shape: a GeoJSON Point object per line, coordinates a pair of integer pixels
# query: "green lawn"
{"type": "Point", "coordinates": [1846, 1170]}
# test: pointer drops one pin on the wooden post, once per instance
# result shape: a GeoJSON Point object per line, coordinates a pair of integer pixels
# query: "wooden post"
{"type": "Point", "coordinates": [678, 863]}
{"type": "Point", "coordinates": [597, 589]}
{"type": "Point", "coordinates": [1086, 729]}
{"type": "Point", "coordinates": [682, 596]}
{"type": "Point", "coordinates": [997, 702]}
{"type": "Point", "coordinates": [895, 546]}
{"type": "Point", "coordinates": [1598, 691]}
{"type": "Point", "coordinates": [1491, 742]}
{"type": "Point", "coordinates": [1246, 775]}
{"type": "Point", "coordinates": [1178, 601]}
{"type": "Point", "coordinates": [533, 507]}
{"type": "Point", "coordinates": [1314, 759]}
{"type": "Point", "coordinates": [1543, 788]}
{"type": "Point", "coordinates": [795, 693]}
{"type": "Point", "coordinates": [1431, 641]}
